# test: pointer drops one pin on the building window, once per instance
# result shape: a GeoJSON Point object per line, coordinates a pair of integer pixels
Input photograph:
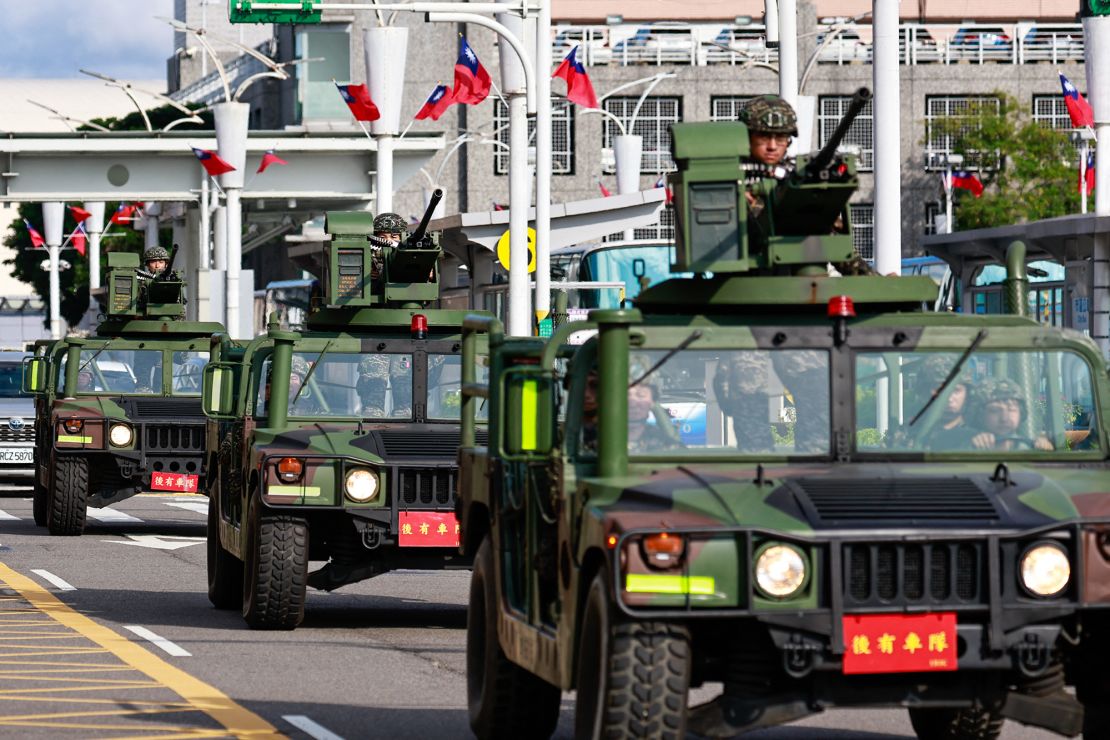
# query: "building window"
{"type": "Point", "coordinates": [653, 123]}
{"type": "Point", "coordinates": [966, 109]}
{"type": "Point", "coordinates": [726, 107]}
{"type": "Point", "coordinates": [860, 134]}
{"type": "Point", "coordinates": [863, 229]}
{"type": "Point", "coordinates": [562, 138]}
{"type": "Point", "coordinates": [331, 46]}
{"type": "Point", "coordinates": [934, 216]}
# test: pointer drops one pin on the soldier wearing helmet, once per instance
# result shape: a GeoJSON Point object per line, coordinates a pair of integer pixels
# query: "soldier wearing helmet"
{"type": "Point", "coordinates": [389, 231]}
{"type": "Point", "coordinates": [1000, 411]}
{"type": "Point", "coordinates": [951, 432]}
{"type": "Point", "coordinates": [771, 123]}
{"type": "Point", "coordinates": [156, 259]}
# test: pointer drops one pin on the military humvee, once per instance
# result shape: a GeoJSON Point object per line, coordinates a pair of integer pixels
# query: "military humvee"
{"type": "Point", "coordinates": [792, 482]}
{"type": "Point", "coordinates": [119, 412]}
{"type": "Point", "coordinates": [356, 464]}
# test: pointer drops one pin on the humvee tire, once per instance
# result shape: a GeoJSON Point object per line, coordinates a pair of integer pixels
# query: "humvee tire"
{"type": "Point", "coordinates": [972, 723]}
{"type": "Point", "coordinates": [1096, 722]}
{"type": "Point", "coordinates": [633, 678]}
{"type": "Point", "coordinates": [225, 571]}
{"type": "Point", "coordinates": [275, 573]}
{"type": "Point", "coordinates": [68, 497]}
{"type": "Point", "coordinates": [40, 502]}
{"type": "Point", "coordinates": [503, 699]}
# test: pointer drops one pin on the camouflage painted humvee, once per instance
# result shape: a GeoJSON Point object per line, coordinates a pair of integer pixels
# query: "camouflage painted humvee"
{"type": "Point", "coordinates": [804, 488]}
{"type": "Point", "coordinates": [119, 412]}
{"type": "Point", "coordinates": [357, 465]}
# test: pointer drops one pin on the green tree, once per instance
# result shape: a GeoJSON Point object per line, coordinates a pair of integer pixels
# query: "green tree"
{"type": "Point", "coordinates": [1029, 171]}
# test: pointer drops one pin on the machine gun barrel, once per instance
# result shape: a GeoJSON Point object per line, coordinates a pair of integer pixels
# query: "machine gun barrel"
{"type": "Point", "coordinates": [422, 228]}
{"type": "Point", "coordinates": [822, 159]}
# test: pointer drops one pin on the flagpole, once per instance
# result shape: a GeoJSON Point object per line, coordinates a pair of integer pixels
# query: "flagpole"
{"type": "Point", "coordinates": [1083, 176]}
{"type": "Point", "coordinates": [406, 129]}
{"type": "Point", "coordinates": [948, 199]}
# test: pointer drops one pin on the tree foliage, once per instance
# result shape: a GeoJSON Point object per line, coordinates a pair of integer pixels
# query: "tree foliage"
{"type": "Point", "coordinates": [1029, 171]}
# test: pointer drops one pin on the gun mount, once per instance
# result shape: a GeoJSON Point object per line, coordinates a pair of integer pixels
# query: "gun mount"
{"type": "Point", "coordinates": [134, 292]}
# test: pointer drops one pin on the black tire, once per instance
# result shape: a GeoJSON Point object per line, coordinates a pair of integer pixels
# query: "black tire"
{"type": "Point", "coordinates": [972, 723]}
{"type": "Point", "coordinates": [275, 573]}
{"type": "Point", "coordinates": [225, 571]}
{"type": "Point", "coordinates": [503, 699]}
{"type": "Point", "coordinates": [68, 497]}
{"type": "Point", "coordinates": [633, 677]}
{"type": "Point", "coordinates": [1096, 722]}
{"type": "Point", "coordinates": [40, 502]}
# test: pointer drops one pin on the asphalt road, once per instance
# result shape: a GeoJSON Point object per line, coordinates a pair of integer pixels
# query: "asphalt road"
{"type": "Point", "coordinates": [83, 652]}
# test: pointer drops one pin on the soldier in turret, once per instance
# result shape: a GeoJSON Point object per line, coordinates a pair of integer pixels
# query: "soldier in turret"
{"type": "Point", "coordinates": [771, 123]}
{"type": "Point", "coordinates": [389, 230]}
{"type": "Point", "coordinates": [156, 259]}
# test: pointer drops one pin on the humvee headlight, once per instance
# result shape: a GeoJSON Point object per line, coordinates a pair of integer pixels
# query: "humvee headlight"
{"type": "Point", "coordinates": [73, 426]}
{"type": "Point", "coordinates": [290, 469]}
{"type": "Point", "coordinates": [361, 485]}
{"type": "Point", "coordinates": [780, 570]}
{"type": "Point", "coordinates": [1045, 569]}
{"type": "Point", "coordinates": [120, 435]}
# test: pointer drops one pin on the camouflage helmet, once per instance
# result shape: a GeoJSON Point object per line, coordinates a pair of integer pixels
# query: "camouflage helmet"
{"type": "Point", "coordinates": [934, 370]}
{"type": "Point", "coordinates": [995, 389]}
{"type": "Point", "coordinates": [155, 253]}
{"type": "Point", "coordinates": [390, 223]}
{"type": "Point", "coordinates": [769, 114]}
{"type": "Point", "coordinates": [299, 366]}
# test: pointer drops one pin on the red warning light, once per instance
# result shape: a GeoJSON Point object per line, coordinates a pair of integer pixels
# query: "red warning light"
{"type": "Point", "coordinates": [841, 307]}
{"type": "Point", "coordinates": [419, 326]}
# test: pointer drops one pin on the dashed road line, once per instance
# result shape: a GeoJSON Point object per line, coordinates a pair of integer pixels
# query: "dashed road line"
{"type": "Point", "coordinates": [111, 515]}
{"type": "Point", "coordinates": [169, 647]}
{"type": "Point", "coordinates": [60, 583]}
{"type": "Point", "coordinates": [310, 728]}
{"type": "Point", "coordinates": [196, 506]}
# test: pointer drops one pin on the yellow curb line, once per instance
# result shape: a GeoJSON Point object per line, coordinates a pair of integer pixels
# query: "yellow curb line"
{"type": "Point", "coordinates": [238, 720]}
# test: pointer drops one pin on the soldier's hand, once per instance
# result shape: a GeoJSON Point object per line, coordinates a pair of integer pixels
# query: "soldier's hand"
{"type": "Point", "coordinates": [983, 441]}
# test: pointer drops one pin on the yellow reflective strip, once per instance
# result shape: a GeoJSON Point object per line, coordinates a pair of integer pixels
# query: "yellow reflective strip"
{"type": "Point", "coordinates": [74, 439]}
{"type": "Point", "coordinates": [293, 490]}
{"type": "Point", "coordinates": [214, 400]}
{"type": "Point", "coordinates": [34, 374]}
{"type": "Point", "coordinates": [651, 583]}
{"type": "Point", "coordinates": [529, 391]}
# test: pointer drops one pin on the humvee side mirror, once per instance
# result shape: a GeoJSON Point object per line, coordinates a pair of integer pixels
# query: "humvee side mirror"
{"type": "Point", "coordinates": [527, 423]}
{"type": "Point", "coordinates": [34, 374]}
{"type": "Point", "coordinates": [217, 400]}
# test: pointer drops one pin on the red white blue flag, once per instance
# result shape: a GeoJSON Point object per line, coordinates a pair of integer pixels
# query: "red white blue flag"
{"type": "Point", "coordinates": [1079, 110]}
{"type": "Point", "coordinates": [79, 213]}
{"type": "Point", "coordinates": [357, 98]}
{"type": "Point", "coordinates": [211, 162]}
{"type": "Point", "coordinates": [472, 81]}
{"type": "Point", "coordinates": [1088, 176]}
{"type": "Point", "coordinates": [123, 214]}
{"type": "Point", "coordinates": [268, 159]}
{"type": "Point", "coordinates": [662, 183]}
{"type": "Point", "coordinates": [605, 192]}
{"type": "Point", "coordinates": [967, 181]}
{"type": "Point", "coordinates": [79, 239]}
{"type": "Point", "coordinates": [579, 88]}
{"type": "Point", "coordinates": [36, 238]}
{"type": "Point", "coordinates": [436, 104]}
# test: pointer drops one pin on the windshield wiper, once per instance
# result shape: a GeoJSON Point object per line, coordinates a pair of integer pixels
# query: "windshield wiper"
{"type": "Point", "coordinates": [952, 374]}
{"type": "Point", "coordinates": [696, 335]}
{"type": "Point", "coordinates": [311, 370]}
{"type": "Point", "coordinates": [96, 354]}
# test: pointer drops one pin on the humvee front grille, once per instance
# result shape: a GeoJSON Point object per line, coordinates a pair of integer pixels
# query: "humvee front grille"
{"type": "Point", "coordinates": [906, 574]}
{"type": "Point", "coordinates": [24, 434]}
{"type": "Point", "coordinates": [174, 439]}
{"type": "Point", "coordinates": [418, 487]}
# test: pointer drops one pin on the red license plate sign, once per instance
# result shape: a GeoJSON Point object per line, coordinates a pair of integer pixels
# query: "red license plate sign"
{"type": "Point", "coordinates": [174, 482]}
{"type": "Point", "coordinates": [427, 529]}
{"type": "Point", "coordinates": [899, 643]}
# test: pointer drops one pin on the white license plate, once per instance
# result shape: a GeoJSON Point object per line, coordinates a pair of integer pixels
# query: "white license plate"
{"type": "Point", "coordinates": [18, 455]}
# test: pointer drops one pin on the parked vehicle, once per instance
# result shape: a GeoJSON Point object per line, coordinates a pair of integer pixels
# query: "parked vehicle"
{"type": "Point", "coordinates": [17, 420]}
{"type": "Point", "coordinates": [981, 43]}
{"type": "Point", "coordinates": [658, 43]}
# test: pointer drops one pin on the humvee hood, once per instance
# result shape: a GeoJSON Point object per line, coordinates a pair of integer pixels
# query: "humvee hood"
{"type": "Point", "coordinates": [89, 407]}
{"type": "Point", "coordinates": [385, 443]}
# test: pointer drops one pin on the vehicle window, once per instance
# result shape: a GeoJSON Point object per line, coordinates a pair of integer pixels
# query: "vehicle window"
{"type": "Point", "coordinates": [11, 380]}
{"type": "Point", "coordinates": [188, 369]}
{"type": "Point", "coordinates": [721, 401]}
{"type": "Point", "coordinates": [346, 385]}
{"type": "Point", "coordinates": [445, 391]}
{"type": "Point", "coordinates": [117, 371]}
{"type": "Point", "coordinates": [1017, 401]}
{"type": "Point", "coordinates": [627, 265]}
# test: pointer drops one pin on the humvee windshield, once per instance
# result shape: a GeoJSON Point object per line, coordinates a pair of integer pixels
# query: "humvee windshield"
{"type": "Point", "coordinates": [997, 402]}
{"type": "Point", "coordinates": [108, 369]}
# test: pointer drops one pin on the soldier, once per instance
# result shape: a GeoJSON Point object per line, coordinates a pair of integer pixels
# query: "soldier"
{"type": "Point", "coordinates": [1000, 411]}
{"type": "Point", "coordinates": [740, 387]}
{"type": "Point", "coordinates": [379, 373]}
{"type": "Point", "coordinates": [771, 123]}
{"type": "Point", "coordinates": [389, 230]}
{"type": "Point", "coordinates": [951, 432]}
{"type": "Point", "coordinates": [805, 373]}
{"type": "Point", "coordinates": [156, 260]}
{"type": "Point", "coordinates": [643, 436]}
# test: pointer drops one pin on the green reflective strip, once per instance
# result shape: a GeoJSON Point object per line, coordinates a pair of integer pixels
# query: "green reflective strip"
{"type": "Point", "coordinates": [293, 490]}
{"type": "Point", "coordinates": [644, 583]}
{"type": "Point", "coordinates": [75, 439]}
{"type": "Point", "coordinates": [529, 390]}
{"type": "Point", "coordinates": [34, 374]}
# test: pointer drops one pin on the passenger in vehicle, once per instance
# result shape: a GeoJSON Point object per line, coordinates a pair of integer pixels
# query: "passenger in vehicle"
{"type": "Point", "coordinates": [642, 435]}
{"type": "Point", "coordinates": [740, 387]}
{"type": "Point", "coordinates": [951, 431]}
{"type": "Point", "coordinates": [1000, 412]}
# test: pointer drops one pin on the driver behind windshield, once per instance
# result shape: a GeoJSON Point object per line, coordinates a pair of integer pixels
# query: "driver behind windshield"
{"type": "Point", "coordinates": [999, 412]}
{"type": "Point", "coordinates": [951, 432]}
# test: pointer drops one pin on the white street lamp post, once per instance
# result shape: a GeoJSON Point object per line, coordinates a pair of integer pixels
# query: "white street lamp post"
{"type": "Point", "coordinates": [386, 47]}
{"type": "Point", "coordinates": [53, 213]}
{"type": "Point", "coordinates": [231, 141]}
{"type": "Point", "coordinates": [94, 226]}
{"type": "Point", "coordinates": [949, 161]}
{"type": "Point", "coordinates": [543, 160]}
{"type": "Point", "coordinates": [1096, 33]}
{"type": "Point", "coordinates": [888, 153]}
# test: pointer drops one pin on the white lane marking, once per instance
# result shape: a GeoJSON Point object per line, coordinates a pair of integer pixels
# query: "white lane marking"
{"type": "Point", "coordinates": [60, 584]}
{"type": "Point", "coordinates": [111, 515]}
{"type": "Point", "coordinates": [310, 728]}
{"type": "Point", "coordinates": [171, 648]}
{"type": "Point", "coordinates": [197, 506]}
{"type": "Point", "coordinates": [158, 541]}
{"type": "Point", "coordinates": [6, 515]}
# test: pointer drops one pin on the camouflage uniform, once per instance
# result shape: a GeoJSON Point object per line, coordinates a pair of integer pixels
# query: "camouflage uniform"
{"type": "Point", "coordinates": [948, 432]}
{"type": "Point", "coordinates": [805, 374]}
{"type": "Point", "coordinates": [385, 225]}
{"type": "Point", "coordinates": [379, 373]}
{"type": "Point", "coordinates": [740, 387]}
{"type": "Point", "coordinates": [307, 404]}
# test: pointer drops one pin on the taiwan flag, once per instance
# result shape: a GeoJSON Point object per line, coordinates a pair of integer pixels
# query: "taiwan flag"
{"type": "Point", "coordinates": [472, 82]}
{"type": "Point", "coordinates": [357, 98]}
{"type": "Point", "coordinates": [36, 238]}
{"type": "Point", "coordinates": [967, 181]}
{"type": "Point", "coordinates": [1087, 178]}
{"type": "Point", "coordinates": [436, 104]}
{"type": "Point", "coordinates": [79, 213]}
{"type": "Point", "coordinates": [579, 88]}
{"type": "Point", "coordinates": [268, 159]}
{"type": "Point", "coordinates": [79, 239]}
{"type": "Point", "coordinates": [605, 192]}
{"type": "Point", "coordinates": [1079, 110]}
{"type": "Point", "coordinates": [211, 162]}
{"type": "Point", "coordinates": [123, 214]}
{"type": "Point", "coordinates": [662, 183]}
